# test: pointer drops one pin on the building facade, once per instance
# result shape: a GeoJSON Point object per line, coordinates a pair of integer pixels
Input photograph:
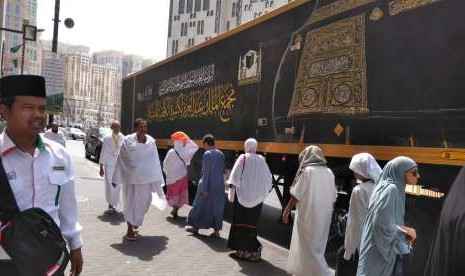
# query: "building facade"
{"type": "Point", "coordinates": [91, 90]}
{"type": "Point", "coordinates": [17, 13]}
{"type": "Point", "coordinates": [192, 22]}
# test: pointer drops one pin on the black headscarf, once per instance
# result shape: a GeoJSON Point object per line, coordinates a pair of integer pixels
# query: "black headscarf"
{"type": "Point", "coordinates": [447, 254]}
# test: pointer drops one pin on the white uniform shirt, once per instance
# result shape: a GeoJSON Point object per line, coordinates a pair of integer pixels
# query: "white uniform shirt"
{"type": "Point", "coordinates": [58, 137]}
{"type": "Point", "coordinates": [45, 180]}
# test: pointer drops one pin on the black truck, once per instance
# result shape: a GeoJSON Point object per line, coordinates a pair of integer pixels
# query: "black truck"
{"type": "Point", "coordinates": [379, 76]}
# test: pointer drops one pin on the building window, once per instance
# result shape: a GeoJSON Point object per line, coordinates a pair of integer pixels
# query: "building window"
{"type": "Point", "coordinates": [271, 4]}
{"type": "Point", "coordinates": [206, 5]}
{"type": "Point", "coordinates": [189, 6]}
{"type": "Point", "coordinates": [233, 12]}
{"type": "Point", "coordinates": [182, 4]}
{"type": "Point", "coordinates": [266, 4]}
{"type": "Point", "coordinates": [198, 5]}
{"type": "Point", "coordinates": [176, 47]}
{"type": "Point", "coordinates": [227, 26]}
{"type": "Point", "coordinates": [203, 24]}
{"type": "Point", "coordinates": [198, 28]}
{"type": "Point", "coordinates": [255, 15]}
{"type": "Point", "coordinates": [173, 47]}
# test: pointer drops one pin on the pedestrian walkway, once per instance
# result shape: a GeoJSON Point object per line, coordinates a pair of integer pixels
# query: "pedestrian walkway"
{"type": "Point", "coordinates": [164, 248]}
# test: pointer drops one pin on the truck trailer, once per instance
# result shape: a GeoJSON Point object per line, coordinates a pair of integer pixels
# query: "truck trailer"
{"type": "Point", "coordinates": [380, 76]}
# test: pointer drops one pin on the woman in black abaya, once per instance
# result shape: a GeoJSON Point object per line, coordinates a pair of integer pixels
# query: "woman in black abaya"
{"type": "Point", "coordinates": [447, 254]}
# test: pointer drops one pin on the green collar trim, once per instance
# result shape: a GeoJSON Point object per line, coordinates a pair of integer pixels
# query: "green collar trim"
{"type": "Point", "coordinates": [40, 143]}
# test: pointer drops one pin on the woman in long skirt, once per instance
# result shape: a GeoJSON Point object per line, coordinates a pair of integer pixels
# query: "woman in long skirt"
{"type": "Point", "coordinates": [252, 180]}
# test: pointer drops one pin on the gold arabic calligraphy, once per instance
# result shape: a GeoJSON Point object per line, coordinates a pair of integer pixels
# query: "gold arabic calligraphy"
{"type": "Point", "coordinates": [216, 101]}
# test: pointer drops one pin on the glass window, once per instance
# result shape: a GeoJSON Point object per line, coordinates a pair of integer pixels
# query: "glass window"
{"type": "Point", "coordinates": [189, 6]}
{"type": "Point", "coordinates": [233, 12]}
{"type": "Point", "coordinates": [206, 5]}
{"type": "Point", "coordinates": [198, 5]}
{"type": "Point", "coordinates": [227, 26]}
{"type": "Point", "coordinates": [182, 4]}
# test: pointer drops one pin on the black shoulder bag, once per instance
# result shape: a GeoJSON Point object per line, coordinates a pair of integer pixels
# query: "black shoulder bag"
{"type": "Point", "coordinates": [31, 238]}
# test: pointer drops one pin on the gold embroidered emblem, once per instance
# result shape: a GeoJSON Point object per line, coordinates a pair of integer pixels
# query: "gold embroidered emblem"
{"type": "Point", "coordinates": [376, 14]}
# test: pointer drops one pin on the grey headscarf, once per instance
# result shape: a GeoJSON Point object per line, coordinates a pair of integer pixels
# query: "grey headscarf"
{"type": "Point", "coordinates": [381, 238]}
{"type": "Point", "coordinates": [310, 156]}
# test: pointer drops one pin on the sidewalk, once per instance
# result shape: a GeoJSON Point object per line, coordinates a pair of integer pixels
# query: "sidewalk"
{"type": "Point", "coordinates": [164, 248]}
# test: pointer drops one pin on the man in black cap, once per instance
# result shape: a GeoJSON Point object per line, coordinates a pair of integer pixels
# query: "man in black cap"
{"type": "Point", "coordinates": [39, 172]}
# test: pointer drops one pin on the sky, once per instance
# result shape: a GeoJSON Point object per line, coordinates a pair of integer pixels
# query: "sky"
{"type": "Point", "coordinates": [138, 27]}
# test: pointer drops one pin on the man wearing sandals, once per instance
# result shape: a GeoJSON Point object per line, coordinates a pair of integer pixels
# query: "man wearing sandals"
{"type": "Point", "coordinates": [138, 170]}
{"type": "Point", "coordinates": [208, 207]}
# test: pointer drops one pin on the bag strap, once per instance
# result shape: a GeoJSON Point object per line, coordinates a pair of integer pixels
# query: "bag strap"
{"type": "Point", "coordinates": [243, 166]}
{"type": "Point", "coordinates": [180, 158]}
{"type": "Point", "coordinates": [8, 205]}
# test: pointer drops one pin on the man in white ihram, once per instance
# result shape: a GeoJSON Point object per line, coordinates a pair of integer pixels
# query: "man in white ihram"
{"type": "Point", "coordinates": [108, 155]}
{"type": "Point", "coordinates": [55, 134]}
{"type": "Point", "coordinates": [138, 169]}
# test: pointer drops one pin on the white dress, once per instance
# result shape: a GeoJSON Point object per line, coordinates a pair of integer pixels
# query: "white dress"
{"type": "Point", "coordinates": [316, 192]}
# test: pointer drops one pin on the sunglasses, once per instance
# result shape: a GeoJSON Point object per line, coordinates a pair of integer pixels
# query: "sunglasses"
{"type": "Point", "coordinates": [415, 173]}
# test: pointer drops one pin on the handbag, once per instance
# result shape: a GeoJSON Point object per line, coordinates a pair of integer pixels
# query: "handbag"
{"type": "Point", "coordinates": [31, 238]}
{"type": "Point", "coordinates": [232, 188]}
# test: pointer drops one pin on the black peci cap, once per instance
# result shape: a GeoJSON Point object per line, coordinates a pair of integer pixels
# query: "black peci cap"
{"type": "Point", "coordinates": [22, 85]}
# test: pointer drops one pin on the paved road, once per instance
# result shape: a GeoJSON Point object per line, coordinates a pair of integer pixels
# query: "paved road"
{"type": "Point", "coordinates": [164, 247]}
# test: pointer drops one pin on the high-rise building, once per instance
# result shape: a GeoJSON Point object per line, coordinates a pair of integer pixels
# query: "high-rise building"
{"type": "Point", "coordinates": [104, 91]}
{"type": "Point", "coordinates": [131, 64]}
{"type": "Point", "coordinates": [17, 13]}
{"type": "Point", "coordinates": [192, 22]}
{"type": "Point", "coordinates": [53, 70]}
{"type": "Point", "coordinates": [91, 89]}
{"type": "Point", "coordinates": [115, 59]}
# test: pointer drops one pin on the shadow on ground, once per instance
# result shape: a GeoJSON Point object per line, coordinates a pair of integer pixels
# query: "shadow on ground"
{"type": "Point", "coordinates": [113, 219]}
{"type": "Point", "coordinates": [218, 245]}
{"type": "Point", "coordinates": [261, 267]}
{"type": "Point", "coordinates": [179, 221]}
{"type": "Point", "coordinates": [145, 248]}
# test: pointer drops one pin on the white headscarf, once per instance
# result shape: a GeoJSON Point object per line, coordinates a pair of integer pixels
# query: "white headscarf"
{"type": "Point", "coordinates": [251, 176]}
{"type": "Point", "coordinates": [365, 165]}
{"type": "Point", "coordinates": [179, 157]}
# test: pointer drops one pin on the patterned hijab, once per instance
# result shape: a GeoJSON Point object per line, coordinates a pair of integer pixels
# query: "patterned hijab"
{"type": "Point", "coordinates": [310, 156]}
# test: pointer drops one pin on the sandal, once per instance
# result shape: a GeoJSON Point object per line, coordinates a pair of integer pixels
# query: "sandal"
{"type": "Point", "coordinates": [130, 237]}
{"type": "Point", "coordinates": [192, 229]}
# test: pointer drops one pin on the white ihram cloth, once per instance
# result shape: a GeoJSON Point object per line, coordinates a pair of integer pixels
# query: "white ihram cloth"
{"type": "Point", "coordinates": [253, 182]}
{"type": "Point", "coordinates": [58, 137]}
{"type": "Point", "coordinates": [174, 168]}
{"type": "Point", "coordinates": [316, 192]}
{"type": "Point", "coordinates": [138, 169]}
{"type": "Point", "coordinates": [364, 164]}
{"type": "Point", "coordinates": [108, 157]}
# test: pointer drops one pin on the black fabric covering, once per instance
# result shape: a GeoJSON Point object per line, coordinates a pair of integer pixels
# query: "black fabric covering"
{"type": "Point", "coordinates": [346, 267]}
{"type": "Point", "coordinates": [22, 85]}
{"type": "Point", "coordinates": [243, 233]}
{"type": "Point", "coordinates": [447, 254]}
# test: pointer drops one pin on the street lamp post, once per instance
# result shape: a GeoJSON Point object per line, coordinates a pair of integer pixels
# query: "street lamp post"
{"type": "Point", "coordinates": [29, 33]}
